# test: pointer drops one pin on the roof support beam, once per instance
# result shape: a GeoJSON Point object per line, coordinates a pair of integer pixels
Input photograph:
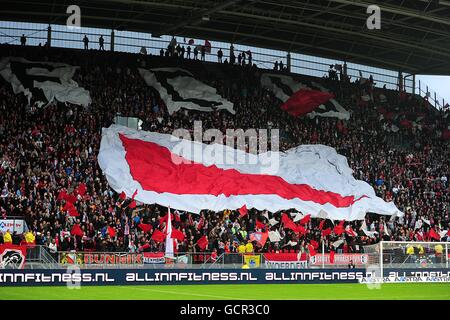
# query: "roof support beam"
{"type": "Point", "coordinates": [397, 10]}
{"type": "Point", "coordinates": [380, 39]}
{"type": "Point", "coordinates": [379, 62]}
{"type": "Point", "coordinates": [196, 18]}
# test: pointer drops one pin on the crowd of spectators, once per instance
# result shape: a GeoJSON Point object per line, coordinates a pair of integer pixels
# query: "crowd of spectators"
{"type": "Point", "coordinates": [393, 141]}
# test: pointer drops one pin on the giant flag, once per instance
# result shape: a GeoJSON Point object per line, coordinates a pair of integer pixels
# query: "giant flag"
{"type": "Point", "coordinates": [43, 81]}
{"type": "Point", "coordinates": [286, 88]}
{"type": "Point", "coordinates": [178, 88]}
{"type": "Point", "coordinates": [305, 101]}
{"type": "Point", "coordinates": [192, 176]}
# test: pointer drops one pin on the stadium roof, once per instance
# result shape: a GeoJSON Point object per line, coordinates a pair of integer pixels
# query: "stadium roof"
{"type": "Point", "coordinates": [414, 35]}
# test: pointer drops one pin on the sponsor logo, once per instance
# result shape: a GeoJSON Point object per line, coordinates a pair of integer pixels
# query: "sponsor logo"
{"type": "Point", "coordinates": [12, 259]}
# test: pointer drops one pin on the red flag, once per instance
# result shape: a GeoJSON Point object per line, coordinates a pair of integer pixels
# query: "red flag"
{"type": "Point", "coordinates": [207, 46]}
{"type": "Point", "coordinates": [68, 206]}
{"type": "Point", "coordinates": [132, 205]}
{"type": "Point", "coordinates": [288, 223]}
{"type": "Point", "coordinates": [73, 212]}
{"type": "Point", "coordinates": [202, 243]}
{"type": "Point", "coordinates": [305, 101]}
{"type": "Point", "coordinates": [177, 234]}
{"type": "Point", "coordinates": [162, 220]}
{"type": "Point", "coordinates": [76, 230]}
{"type": "Point", "coordinates": [434, 235]}
{"type": "Point", "coordinates": [326, 232]}
{"type": "Point", "coordinates": [200, 224]}
{"type": "Point", "coordinates": [305, 219]}
{"type": "Point", "coordinates": [332, 257]}
{"type": "Point", "coordinates": [145, 227]}
{"type": "Point", "coordinates": [122, 196]}
{"type": "Point", "coordinates": [61, 195]}
{"type": "Point", "coordinates": [158, 236]}
{"type": "Point", "coordinates": [176, 217]}
{"type": "Point", "coordinates": [301, 230]}
{"type": "Point", "coordinates": [145, 246]}
{"type": "Point", "coordinates": [260, 225]}
{"type": "Point", "coordinates": [339, 229]}
{"type": "Point", "coordinates": [321, 224]}
{"type": "Point", "coordinates": [315, 244]}
{"type": "Point", "coordinates": [134, 194]}
{"type": "Point", "coordinates": [111, 232]}
{"type": "Point", "coordinates": [243, 211]}
{"type": "Point", "coordinates": [260, 237]}
{"type": "Point", "coordinates": [312, 252]}
{"type": "Point", "coordinates": [285, 218]}
{"type": "Point", "coordinates": [190, 220]}
{"type": "Point", "coordinates": [81, 190]}
{"type": "Point", "coordinates": [70, 198]}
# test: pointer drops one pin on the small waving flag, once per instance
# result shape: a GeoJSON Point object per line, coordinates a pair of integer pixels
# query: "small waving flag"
{"type": "Point", "coordinates": [312, 252]}
{"type": "Point", "coordinates": [177, 234]}
{"type": "Point", "coordinates": [158, 236]}
{"type": "Point", "coordinates": [434, 235]}
{"type": "Point", "coordinates": [145, 227]}
{"type": "Point", "coordinates": [305, 219]}
{"type": "Point", "coordinates": [260, 225]}
{"type": "Point", "coordinates": [76, 230]}
{"type": "Point", "coordinates": [111, 232]}
{"type": "Point", "coordinates": [326, 232]}
{"type": "Point", "coordinates": [321, 224]}
{"type": "Point", "coordinates": [315, 244]}
{"type": "Point", "coordinates": [243, 211]}
{"type": "Point", "coordinates": [202, 242]}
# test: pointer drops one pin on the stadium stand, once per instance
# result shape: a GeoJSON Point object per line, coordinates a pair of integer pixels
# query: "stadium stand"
{"type": "Point", "coordinates": [396, 142]}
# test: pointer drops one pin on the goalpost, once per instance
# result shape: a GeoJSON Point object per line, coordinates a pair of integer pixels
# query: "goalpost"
{"type": "Point", "coordinates": [398, 256]}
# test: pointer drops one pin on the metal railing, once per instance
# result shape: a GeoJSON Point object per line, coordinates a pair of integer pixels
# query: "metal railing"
{"type": "Point", "coordinates": [132, 42]}
{"type": "Point", "coordinates": [39, 257]}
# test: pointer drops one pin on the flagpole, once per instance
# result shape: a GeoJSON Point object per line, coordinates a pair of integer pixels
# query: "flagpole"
{"type": "Point", "coordinates": [323, 254]}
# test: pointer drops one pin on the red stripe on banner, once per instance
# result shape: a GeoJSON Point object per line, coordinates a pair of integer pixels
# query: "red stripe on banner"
{"type": "Point", "coordinates": [151, 165]}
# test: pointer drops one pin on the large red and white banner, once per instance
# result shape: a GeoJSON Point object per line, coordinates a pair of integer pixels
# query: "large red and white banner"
{"type": "Point", "coordinates": [285, 260]}
{"type": "Point", "coordinates": [192, 176]}
{"type": "Point", "coordinates": [359, 259]}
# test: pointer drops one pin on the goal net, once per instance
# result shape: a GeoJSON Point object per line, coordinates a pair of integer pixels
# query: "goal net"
{"type": "Point", "coordinates": [396, 261]}
{"type": "Point", "coordinates": [414, 255]}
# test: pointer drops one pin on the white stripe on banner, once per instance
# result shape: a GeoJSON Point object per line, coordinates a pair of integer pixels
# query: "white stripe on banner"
{"type": "Point", "coordinates": [317, 166]}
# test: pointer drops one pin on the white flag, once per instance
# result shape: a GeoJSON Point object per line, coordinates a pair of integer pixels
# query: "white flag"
{"type": "Point", "coordinates": [169, 240]}
{"type": "Point", "coordinates": [418, 224]}
{"type": "Point", "coordinates": [273, 222]}
{"type": "Point", "coordinates": [370, 234]}
{"type": "Point", "coordinates": [336, 244]}
{"type": "Point", "coordinates": [385, 229]}
{"type": "Point", "coordinates": [274, 236]}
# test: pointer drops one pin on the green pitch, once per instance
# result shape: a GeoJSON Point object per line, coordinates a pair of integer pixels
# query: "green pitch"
{"type": "Point", "coordinates": [414, 291]}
